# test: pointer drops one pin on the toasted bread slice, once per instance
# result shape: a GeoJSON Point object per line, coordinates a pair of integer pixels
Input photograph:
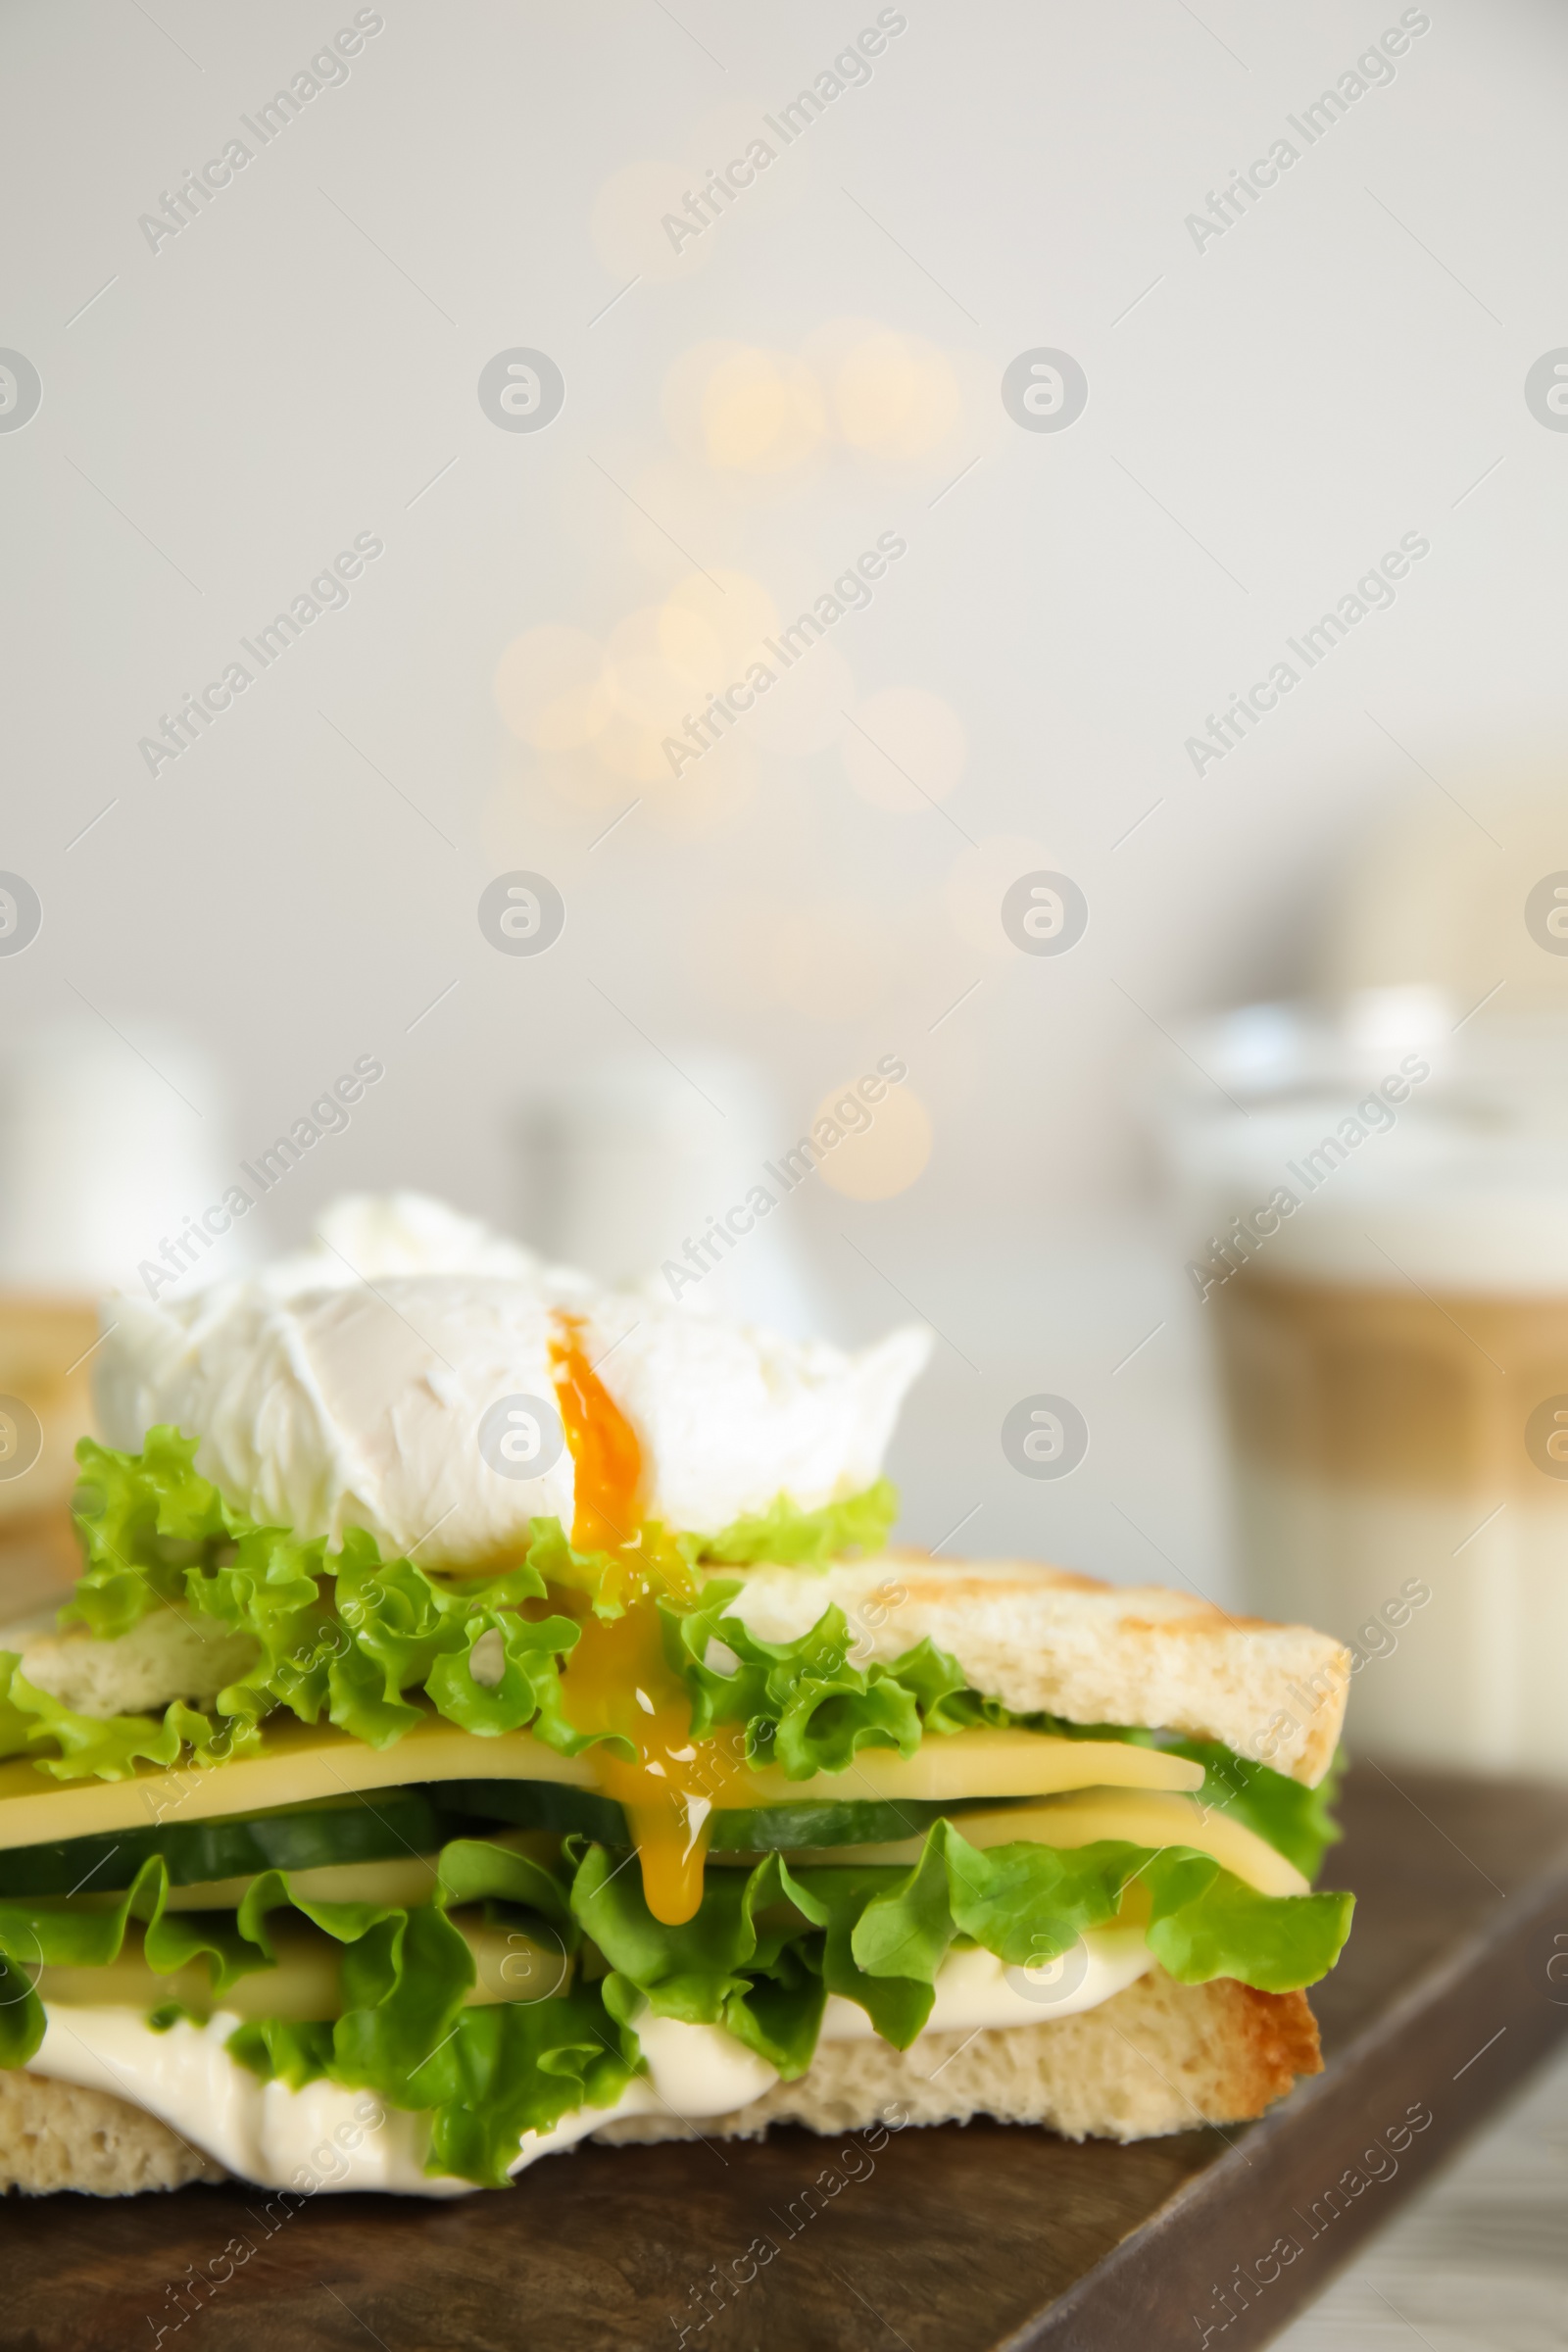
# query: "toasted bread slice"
{"type": "Point", "coordinates": [174, 1653]}
{"type": "Point", "coordinates": [1042, 1640]}
{"type": "Point", "coordinates": [55, 2135]}
{"type": "Point", "coordinates": [1157, 2057]}
{"type": "Point", "coordinates": [1038, 1638]}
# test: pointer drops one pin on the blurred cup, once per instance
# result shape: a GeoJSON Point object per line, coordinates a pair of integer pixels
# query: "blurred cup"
{"type": "Point", "coordinates": [640, 1172]}
{"type": "Point", "coordinates": [45, 1407]}
{"type": "Point", "coordinates": [1377, 1207]}
{"type": "Point", "coordinates": [101, 1156]}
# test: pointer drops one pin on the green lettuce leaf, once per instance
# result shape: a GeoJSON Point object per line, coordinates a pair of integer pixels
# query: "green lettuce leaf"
{"type": "Point", "coordinates": [897, 2006]}
{"type": "Point", "coordinates": [764, 1949]}
{"type": "Point", "coordinates": [740, 1962]}
{"type": "Point", "coordinates": [351, 1635]}
{"type": "Point", "coordinates": [345, 1635]}
{"type": "Point", "coordinates": [519, 2066]}
{"type": "Point", "coordinates": [143, 1520]}
{"type": "Point", "coordinates": [878, 1935]}
{"type": "Point", "coordinates": [282, 2049]}
{"type": "Point", "coordinates": [1296, 1822]}
{"type": "Point", "coordinates": [487, 2073]}
{"type": "Point", "coordinates": [108, 1748]}
{"type": "Point", "coordinates": [802, 1704]}
{"type": "Point", "coordinates": [358, 1638]}
{"type": "Point", "coordinates": [1207, 1924]}
{"type": "Point", "coordinates": [791, 1537]}
{"type": "Point", "coordinates": [36, 1934]}
{"type": "Point", "coordinates": [1028, 1903]}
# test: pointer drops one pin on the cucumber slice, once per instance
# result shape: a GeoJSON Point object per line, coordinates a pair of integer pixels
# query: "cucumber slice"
{"type": "Point", "coordinates": [386, 1827]}
{"type": "Point", "coordinates": [534, 1805]}
{"type": "Point", "coordinates": [786, 1829]}
{"type": "Point", "coordinates": [396, 1823]}
{"type": "Point", "coordinates": [750, 1829]}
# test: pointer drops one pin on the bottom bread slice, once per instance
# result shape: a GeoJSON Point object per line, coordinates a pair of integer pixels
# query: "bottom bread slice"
{"type": "Point", "coordinates": [1157, 2057]}
{"type": "Point", "coordinates": [56, 2136]}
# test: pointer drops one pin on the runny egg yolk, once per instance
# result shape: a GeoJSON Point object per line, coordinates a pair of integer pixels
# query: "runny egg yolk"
{"type": "Point", "coordinates": [617, 1679]}
{"type": "Point", "coordinates": [605, 1452]}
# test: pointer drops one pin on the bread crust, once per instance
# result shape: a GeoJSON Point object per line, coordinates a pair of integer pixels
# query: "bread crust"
{"type": "Point", "coordinates": [1045, 1641]}
{"type": "Point", "coordinates": [1039, 1639]}
{"type": "Point", "coordinates": [56, 2136]}
{"type": "Point", "coordinates": [1158, 2057]}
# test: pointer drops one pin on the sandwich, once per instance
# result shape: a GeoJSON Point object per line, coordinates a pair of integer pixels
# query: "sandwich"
{"type": "Point", "coordinates": [489, 1716]}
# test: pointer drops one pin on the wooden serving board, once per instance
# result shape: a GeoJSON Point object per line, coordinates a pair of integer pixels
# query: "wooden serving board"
{"type": "Point", "coordinates": [937, 2241]}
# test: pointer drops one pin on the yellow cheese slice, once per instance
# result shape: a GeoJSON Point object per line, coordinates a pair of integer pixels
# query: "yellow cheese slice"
{"type": "Point", "coordinates": [402, 1885]}
{"type": "Point", "coordinates": [1137, 1817]}
{"type": "Point", "coordinates": [305, 1761]}
{"type": "Point", "coordinates": [306, 1983]}
{"type": "Point", "coordinates": [979, 1763]}
{"type": "Point", "coordinates": [299, 1762]}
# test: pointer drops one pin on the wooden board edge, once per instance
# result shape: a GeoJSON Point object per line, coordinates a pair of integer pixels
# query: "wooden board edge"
{"type": "Point", "coordinates": [1455, 2046]}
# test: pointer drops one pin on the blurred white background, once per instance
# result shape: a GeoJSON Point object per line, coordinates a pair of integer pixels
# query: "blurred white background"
{"type": "Point", "coordinates": [1268, 412]}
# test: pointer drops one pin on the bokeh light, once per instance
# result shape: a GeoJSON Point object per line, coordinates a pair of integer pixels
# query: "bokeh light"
{"type": "Point", "coordinates": [552, 688]}
{"type": "Point", "coordinates": [743, 409]}
{"type": "Point", "coordinates": [661, 662]}
{"type": "Point", "coordinates": [884, 1158]}
{"type": "Point", "coordinates": [893, 396]}
{"type": "Point", "coordinates": [737, 608]}
{"type": "Point", "coordinates": [980, 879]}
{"type": "Point", "coordinates": [627, 225]}
{"type": "Point", "coordinates": [904, 749]}
{"type": "Point", "coordinates": [709, 795]}
{"type": "Point", "coordinates": [833, 960]}
{"type": "Point", "coordinates": [802, 711]}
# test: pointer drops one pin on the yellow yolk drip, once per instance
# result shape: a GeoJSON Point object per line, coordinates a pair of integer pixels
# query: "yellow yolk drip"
{"type": "Point", "coordinates": [603, 1445]}
{"type": "Point", "coordinates": [617, 1679]}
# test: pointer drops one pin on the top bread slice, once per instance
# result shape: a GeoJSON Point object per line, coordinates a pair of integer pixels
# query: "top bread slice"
{"type": "Point", "coordinates": [1044, 1641]}
{"type": "Point", "coordinates": [1040, 1639]}
{"type": "Point", "coordinates": [174, 1653]}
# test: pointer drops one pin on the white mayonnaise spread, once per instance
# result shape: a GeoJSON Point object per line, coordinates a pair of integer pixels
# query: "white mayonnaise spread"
{"type": "Point", "coordinates": [327, 2137]}
{"type": "Point", "coordinates": [347, 1388]}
